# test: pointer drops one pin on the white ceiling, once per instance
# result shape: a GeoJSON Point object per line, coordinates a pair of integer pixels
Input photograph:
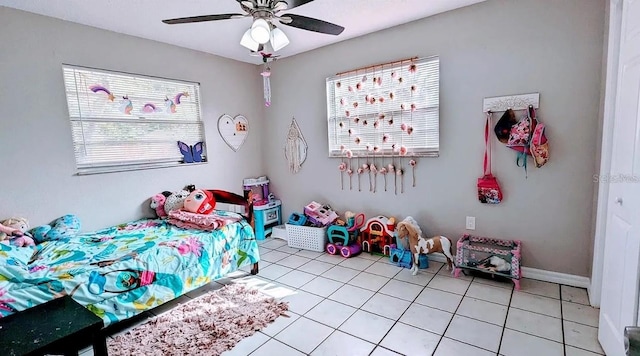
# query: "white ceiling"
{"type": "Point", "coordinates": [142, 18]}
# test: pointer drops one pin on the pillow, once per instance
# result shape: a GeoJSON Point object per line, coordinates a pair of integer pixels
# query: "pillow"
{"type": "Point", "coordinates": [200, 202]}
{"type": "Point", "coordinates": [63, 227]}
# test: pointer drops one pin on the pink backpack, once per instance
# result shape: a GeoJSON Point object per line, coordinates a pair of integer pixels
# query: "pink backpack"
{"type": "Point", "coordinates": [528, 138]}
{"type": "Point", "coordinates": [539, 145]}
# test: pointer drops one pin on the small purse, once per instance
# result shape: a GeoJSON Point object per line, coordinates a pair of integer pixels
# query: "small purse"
{"type": "Point", "coordinates": [539, 144]}
{"type": "Point", "coordinates": [489, 191]}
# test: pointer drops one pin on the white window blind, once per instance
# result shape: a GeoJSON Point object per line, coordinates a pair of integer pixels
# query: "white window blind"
{"type": "Point", "coordinates": [125, 122]}
{"type": "Point", "coordinates": [388, 107]}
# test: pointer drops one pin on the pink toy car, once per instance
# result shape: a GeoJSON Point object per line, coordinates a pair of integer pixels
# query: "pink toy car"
{"type": "Point", "coordinates": [345, 238]}
{"type": "Point", "coordinates": [318, 215]}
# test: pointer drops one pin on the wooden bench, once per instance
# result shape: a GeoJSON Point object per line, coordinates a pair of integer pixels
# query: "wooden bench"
{"type": "Point", "coordinates": [60, 326]}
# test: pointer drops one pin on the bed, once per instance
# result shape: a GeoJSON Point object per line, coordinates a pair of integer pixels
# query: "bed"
{"type": "Point", "coordinates": [121, 271]}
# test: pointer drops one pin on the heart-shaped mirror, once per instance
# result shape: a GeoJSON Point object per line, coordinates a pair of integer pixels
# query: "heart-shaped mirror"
{"type": "Point", "coordinates": [233, 130]}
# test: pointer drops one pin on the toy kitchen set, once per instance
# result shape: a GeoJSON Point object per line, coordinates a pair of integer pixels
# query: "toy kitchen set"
{"type": "Point", "coordinates": [267, 210]}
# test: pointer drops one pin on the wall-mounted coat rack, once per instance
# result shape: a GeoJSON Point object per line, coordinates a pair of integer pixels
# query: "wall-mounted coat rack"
{"type": "Point", "coordinates": [515, 102]}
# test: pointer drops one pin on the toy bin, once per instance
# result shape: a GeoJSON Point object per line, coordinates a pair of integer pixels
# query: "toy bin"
{"type": "Point", "coordinates": [481, 254]}
{"type": "Point", "coordinates": [307, 237]}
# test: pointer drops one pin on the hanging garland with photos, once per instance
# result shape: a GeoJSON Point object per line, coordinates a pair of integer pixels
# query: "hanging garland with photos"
{"type": "Point", "coordinates": [380, 117]}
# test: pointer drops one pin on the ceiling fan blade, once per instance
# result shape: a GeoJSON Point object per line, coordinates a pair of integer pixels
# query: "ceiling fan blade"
{"type": "Point", "coordinates": [311, 24]}
{"type": "Point", "coordinates": [246, 3]}
{"type": "Point", "coordinates": [202, 18]}
{"type": "Point", "coordinates": [296, 3]}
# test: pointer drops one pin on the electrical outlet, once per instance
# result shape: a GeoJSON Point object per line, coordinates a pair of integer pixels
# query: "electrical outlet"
{"type": "Point", "coordinates": [471, 223]}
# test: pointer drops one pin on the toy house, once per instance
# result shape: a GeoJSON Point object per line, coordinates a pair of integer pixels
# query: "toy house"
{"type": "Point", "coordinates": [377, 235]}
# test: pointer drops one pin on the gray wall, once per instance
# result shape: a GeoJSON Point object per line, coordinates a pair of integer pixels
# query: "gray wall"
{"type": "Point", "coordinates": [37, 154]}
{"type": "Point", "coordinates": [493, 48]}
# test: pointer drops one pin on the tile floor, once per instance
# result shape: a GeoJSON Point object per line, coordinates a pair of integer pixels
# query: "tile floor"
{"type": "Point", "coordinates": [366, 306]}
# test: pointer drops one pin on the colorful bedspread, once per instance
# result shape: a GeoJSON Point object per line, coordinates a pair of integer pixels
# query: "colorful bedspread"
{"type": "Point", "coordinates": [121, 271]}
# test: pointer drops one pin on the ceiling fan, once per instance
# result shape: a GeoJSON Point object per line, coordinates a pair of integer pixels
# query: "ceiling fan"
{"type": "Point", "coordinates": [263, 29]}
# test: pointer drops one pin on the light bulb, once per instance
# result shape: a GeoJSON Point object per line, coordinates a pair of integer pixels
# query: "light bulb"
{"type": "Point", "coordinates": [248, 42]}
{"type": "Point", "coordinates": [260, 31]}
{"type": "Point", "coordinates": [278, 39]}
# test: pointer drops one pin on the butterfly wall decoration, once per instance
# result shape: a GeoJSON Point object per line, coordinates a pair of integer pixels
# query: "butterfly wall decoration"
{"type": "Point", "coordinates": [191, 154]}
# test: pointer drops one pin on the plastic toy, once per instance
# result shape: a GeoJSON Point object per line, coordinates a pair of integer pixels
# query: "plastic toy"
{"type": "Point", "coordinates": [409, 229]}
{"type": "Point", "coordinates": [377, 235]}
{"type": "Point", "coordinates": [403, 258]}
{"type": "Point", "coordinates": [297, 219]}
{"type": "Point", "coordinates": [490, 256]}
{"type": "Point", "coordinates": [345, 238]}
{"type": "Point", "coordinates": [256, 190]}
{"type": "Point", "coordinates": [319, 215]}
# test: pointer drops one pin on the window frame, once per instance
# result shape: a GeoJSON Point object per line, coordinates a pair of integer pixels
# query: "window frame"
{"type": "Point", "coordinates": [426, 150]}
{"type": "Point", "coordinates": [121, 165]}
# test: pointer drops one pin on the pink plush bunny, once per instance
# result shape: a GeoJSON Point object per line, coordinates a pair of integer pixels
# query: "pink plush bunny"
{"type": "Point", "coordinates": [157, 203]}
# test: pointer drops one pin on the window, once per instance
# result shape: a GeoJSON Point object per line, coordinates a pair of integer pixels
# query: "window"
{"type": "Point", "coordinates": [123, 122]}
{"type": "Point", "coordinates": [385, 110]}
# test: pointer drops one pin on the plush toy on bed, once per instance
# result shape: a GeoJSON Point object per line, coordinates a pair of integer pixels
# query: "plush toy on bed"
{"type": "Point", "coordinates": [157, 203]}
{"type": "Point", "coordinates": [14, 231]}
{"type": "Point", "coordinates": [6, 233]}
{"type": "Point", "coordinates": [200, 202]}
{"type": "Point", "coordinates": [65, 226]}
{"type": "Point", "coordinates": [176, 200]}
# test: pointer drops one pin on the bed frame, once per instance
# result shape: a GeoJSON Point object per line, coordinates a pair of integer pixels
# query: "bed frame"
{"type": "Point", "coordinates": [223, 196]}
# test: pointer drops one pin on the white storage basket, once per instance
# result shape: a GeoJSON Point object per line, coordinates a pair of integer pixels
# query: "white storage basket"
{"type": "Point", "coordinates": [307, 237]}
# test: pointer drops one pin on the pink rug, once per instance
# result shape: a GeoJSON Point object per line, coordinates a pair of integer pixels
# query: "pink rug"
{"type": "Point", "coordinates": [208, 325]}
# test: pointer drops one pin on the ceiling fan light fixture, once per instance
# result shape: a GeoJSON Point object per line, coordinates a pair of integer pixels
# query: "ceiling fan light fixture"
{"type": "Point", "coordinates": [248, 42]}
{"type": "Point", "coordinates": [278, 39]}
{"type": "Point", "coordinates": [260, 31]}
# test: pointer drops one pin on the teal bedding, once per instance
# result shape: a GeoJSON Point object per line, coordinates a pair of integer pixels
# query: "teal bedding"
{"type": "Point", "coordinates": [124, 270]}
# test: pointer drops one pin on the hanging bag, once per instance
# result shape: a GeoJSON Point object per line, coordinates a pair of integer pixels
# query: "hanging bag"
{"type": "Point", "coordinates": [539, 144]}
{"type": "Point", "coordinates": [520, 138]}
{"type": "Point", "coordinates": [488, 188]}
{"type": "Point", "coordinates": [503, 127]}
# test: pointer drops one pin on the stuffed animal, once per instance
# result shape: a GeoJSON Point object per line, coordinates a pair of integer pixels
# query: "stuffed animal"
{"type": "Point", "coordinates": [6, 233]}
{"type": "Point", "coordinates": [157, 203]}
{"type": "Point", "coordinates": [65, 226]}
{"type": "Point", "coordinates": [496, 263]}
{"type": "Point", "coordinates": [17, 232]}
{"type": "Point", "coordinates": [200, 202]}
{"type": "Point", "coordinates": [176, 200]}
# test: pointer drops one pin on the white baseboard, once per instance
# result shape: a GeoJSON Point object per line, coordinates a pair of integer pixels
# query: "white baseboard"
{"type": "Point", "coordinates": [539, 274]}
{"type": "Point", "coordinates": [556, 277]}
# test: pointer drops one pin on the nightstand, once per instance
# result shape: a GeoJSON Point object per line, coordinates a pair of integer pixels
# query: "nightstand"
{"type": "Point", "coordinates": [266, 217]}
